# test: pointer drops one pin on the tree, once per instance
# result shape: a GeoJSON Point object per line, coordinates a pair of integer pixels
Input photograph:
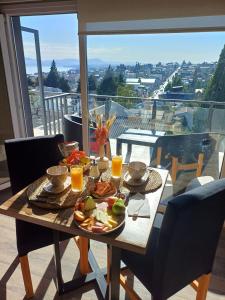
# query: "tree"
{"type": "Point", "coordinates": [121, 80]}
{"type": "Point", "coordinates": [177, 80]}
{"type": "Point", "coordinates": [30, 81]}
{"type": "Point", "coordinates": [91, 83]}
{"type": "Point", "coordinates": [215, 90]}
{"type": "Point", "coordinates": [78, 86]}
{"type": "Point", "coordinates": [108, 85]}
{"type": "Point", "coordinates": [168, 87]}
{"type": "Point", "coordinates": [126, 91]}
{"type": "Point", "coordinates": [53, 77]}
{"type": "Point", "coordinates": [64, 85]}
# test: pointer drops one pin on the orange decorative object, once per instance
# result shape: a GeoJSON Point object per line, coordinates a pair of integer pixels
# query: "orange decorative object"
{"type": "Point", "coordinates": [102, 130]}
{"type": "Point", "coordinates": [102, 134]}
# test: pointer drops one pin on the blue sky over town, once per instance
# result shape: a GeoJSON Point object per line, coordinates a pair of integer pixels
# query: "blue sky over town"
{"type": "Point", "coordinates": [59, 40]}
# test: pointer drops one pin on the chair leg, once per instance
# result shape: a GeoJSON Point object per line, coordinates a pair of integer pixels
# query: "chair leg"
{"type": "Point", "coordinates": [130, 292]}
{"type": "Point", "coordinates": [200, 165]}
{"type": "Point", "coordinates": [24, 263]}
{"type": "Point", "coordinates": [174, 169]}
{"type": "Point", "coordinates": [158, 156]}
{"type": "Point", "coordinates": [203, 284]}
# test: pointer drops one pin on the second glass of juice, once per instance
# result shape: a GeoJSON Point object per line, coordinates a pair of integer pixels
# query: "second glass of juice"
{"type": "Point", "coordinates": [117, 166]}
{"type": "Point", "coordinates": [76, 173]}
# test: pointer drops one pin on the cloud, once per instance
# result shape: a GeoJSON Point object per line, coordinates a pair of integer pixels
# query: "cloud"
{"type": "Point", "coordinates": [104, 53]}
{"type": "Point", "coordinates": [62, 51]}
{"type": "Point", "coordinates": [50, 50]}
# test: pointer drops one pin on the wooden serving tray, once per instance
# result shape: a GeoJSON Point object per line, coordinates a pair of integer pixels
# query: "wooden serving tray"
{"type": "Point", "coordinates": [39, 197]}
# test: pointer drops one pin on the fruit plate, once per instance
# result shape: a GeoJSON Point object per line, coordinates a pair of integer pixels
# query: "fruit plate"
{"type": "Point", "coordinates": [90, 222]}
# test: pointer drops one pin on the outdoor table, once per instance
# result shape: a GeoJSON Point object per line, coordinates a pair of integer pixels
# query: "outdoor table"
{"type": "Point", "coordinates": [134, 139]}
{"type": "Point", "coordinates": [133, 236]}
{"type": "Point", "coordinates": [145, 132]}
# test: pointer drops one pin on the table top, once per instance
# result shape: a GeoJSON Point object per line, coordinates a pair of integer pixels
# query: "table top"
{"type": "Point", "coordinates": [138, 138]}
{"type": "Point", "coordinates": [132, 236]}
{"type": "Point", "coordinates": [145, 132]}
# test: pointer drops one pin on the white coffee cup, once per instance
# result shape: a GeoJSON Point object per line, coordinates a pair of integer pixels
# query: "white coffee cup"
{"type": "Point", "coordinates": [57, 175]}
{"type": "Point", "coordinates": [137, 169]}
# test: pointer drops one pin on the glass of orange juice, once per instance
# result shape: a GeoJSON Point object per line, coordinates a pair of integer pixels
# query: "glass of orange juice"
{"type": "Point", "coordinates": [117, 166]}
{"type": "Point", "coordinates": [76, 173]}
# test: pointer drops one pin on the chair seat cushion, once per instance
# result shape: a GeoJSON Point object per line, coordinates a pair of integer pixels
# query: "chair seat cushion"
{"type": "Point", "coordinates": [31, 237]}
{"type": "Point", "coordinates": [135, 262]}
{"type": "Point", "coordinates": [198, 181]}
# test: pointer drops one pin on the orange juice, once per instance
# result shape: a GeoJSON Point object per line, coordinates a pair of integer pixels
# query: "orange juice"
{"type": "Point", "coordinates": [76, 178]}
{"type": "Point", "coordinates": [117, 166]}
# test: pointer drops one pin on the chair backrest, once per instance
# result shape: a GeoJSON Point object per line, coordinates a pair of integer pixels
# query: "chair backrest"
{"type": "Point", "coordinates": [188, 237]}
{"type": "Point", "coordinates": [73, 129]}
{"type": "Point", "coordinates": [28, 158]}
{"type": "Point", "coordinates": [187, 147]}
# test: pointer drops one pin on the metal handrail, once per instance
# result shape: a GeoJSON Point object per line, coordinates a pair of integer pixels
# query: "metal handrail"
{"type": "Point", "coordinates": [58, 105]}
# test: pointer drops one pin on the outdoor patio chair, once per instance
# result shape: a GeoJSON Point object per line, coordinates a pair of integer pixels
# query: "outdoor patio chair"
{"type": "Point", "coordinates": [28, 159]}
{"type": "Point", "coordinates": [182, 244]}
{"type": "Point", "coordinates": [182, 152]}
{"type": "Point", "coordinates": [73, 132]}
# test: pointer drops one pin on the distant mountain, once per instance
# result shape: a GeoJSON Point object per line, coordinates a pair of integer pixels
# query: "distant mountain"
{"type": "Point", "coordinates": [68, 62]}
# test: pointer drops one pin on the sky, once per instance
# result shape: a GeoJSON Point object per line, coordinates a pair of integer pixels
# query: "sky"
{"type": "Point", "coordinates": [59, 40]}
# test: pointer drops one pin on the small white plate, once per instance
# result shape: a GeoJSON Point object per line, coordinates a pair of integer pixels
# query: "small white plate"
{"type": "Point", "coordinates": [49, 188]}
{"type": "Point", "coordinates": [127, 178]}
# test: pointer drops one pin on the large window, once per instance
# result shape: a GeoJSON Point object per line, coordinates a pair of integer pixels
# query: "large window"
{"type": "Point", "coordinates": [162, 85]}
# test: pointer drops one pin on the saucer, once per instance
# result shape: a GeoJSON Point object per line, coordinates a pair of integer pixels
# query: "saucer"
{"type": "Point", "coordinates": [127, 178]}
{"type": "Point", "coordinates": [49, 188]}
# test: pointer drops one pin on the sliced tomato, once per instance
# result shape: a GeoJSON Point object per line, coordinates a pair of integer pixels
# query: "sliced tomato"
{"type": "Point", "coordinates": [111, 202]}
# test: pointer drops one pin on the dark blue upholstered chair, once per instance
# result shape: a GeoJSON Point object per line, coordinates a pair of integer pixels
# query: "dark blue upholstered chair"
{"type": "Point", "coordinates": [73, 132]}
{"type": "Point", "coordinates": [73, 129]}
{"type": "Point", "coordinates": [28, 159]}
{"type": "Point", "coordinates": [182, 243]}
{"type": "Point", "coordinates": [183, 152]}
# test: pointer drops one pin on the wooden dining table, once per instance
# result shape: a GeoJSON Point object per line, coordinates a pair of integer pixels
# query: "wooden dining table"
{"type": "Point", "coordinates": [132, 236]}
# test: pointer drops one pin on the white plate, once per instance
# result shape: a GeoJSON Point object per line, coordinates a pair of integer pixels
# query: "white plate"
{"type": "Point", "coordinates": [127, 178]}
{"type": "Point", "coordinates": [49, 188]}
{"type": "Point", "coordinates": [120, 219]}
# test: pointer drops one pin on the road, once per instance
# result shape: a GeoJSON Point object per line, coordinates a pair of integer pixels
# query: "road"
{"type": "Point", "coordinates": [161, 88]}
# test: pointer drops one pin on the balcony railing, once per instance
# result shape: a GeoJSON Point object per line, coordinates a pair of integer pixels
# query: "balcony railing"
{"type": "Point", "coordinates": [172, 116]}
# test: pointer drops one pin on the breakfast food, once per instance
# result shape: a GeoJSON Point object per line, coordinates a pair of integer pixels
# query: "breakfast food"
{"type": "Point", "coordinates": [103, 189]}
{"type": "Point", "coordinates": [78, 158]}
{"type": "Point", "coordinates": [99, 217]}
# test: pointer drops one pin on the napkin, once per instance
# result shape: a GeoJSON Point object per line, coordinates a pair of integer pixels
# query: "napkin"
{"type": "Point", "coordinates": [138, 206]}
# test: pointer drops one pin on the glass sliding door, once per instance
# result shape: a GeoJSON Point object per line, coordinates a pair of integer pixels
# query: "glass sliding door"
{"type": "Point", "coordinates": [49, 71]}
{"type": "Point", "coordinates": [6, 130]}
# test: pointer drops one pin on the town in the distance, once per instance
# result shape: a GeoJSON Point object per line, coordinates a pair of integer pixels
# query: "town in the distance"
{"type": "Point", "coordinates": [171, 97]}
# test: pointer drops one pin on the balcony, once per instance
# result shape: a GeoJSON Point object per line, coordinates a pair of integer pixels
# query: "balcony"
{"type": "Point", "coordinates": [144, 117]}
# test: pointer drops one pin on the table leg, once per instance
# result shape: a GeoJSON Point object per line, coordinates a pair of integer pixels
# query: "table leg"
{"type": "Point", "coordinates": [58, 267]}
{"type": "Point", "coordinates": [150, 154]}
{"type": "Point", "coordinates": [129, 148]}
{"type": "Point", "coordinates": [118, 147]}
{"type": "Point", "coordinates": [84, 248]}
{"type": "Point", "coordinates": [114, 284]}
